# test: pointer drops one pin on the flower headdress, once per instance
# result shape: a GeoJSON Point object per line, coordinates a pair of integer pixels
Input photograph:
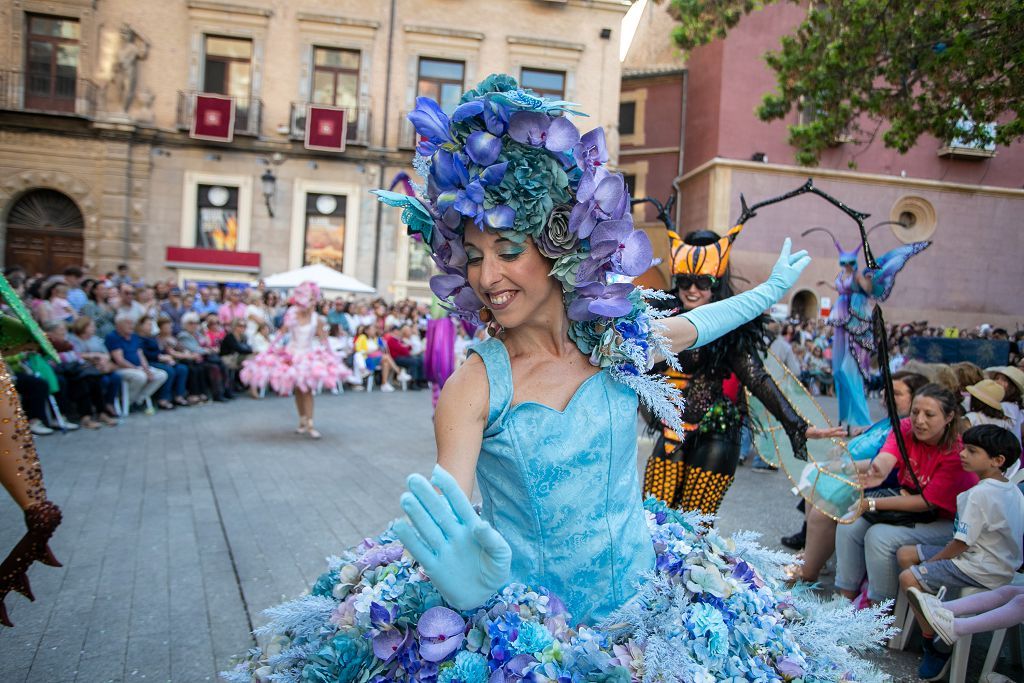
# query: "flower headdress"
{"type": "Point", "coordinates": [513, 162]}
{"type": "Point", "coordinates": [305, 295]}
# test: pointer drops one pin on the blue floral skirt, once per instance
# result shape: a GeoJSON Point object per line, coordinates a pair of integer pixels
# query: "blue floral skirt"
{"type": "Point", "coordinates": [712, 610]}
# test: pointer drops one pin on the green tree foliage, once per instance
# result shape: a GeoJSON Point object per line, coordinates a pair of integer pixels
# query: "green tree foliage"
{"type": "Point", "coordinates": [945, 67]}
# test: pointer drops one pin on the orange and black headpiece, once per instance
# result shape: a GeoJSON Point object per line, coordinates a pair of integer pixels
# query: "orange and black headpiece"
{"type": "Point", "coordinates": [709, 259]}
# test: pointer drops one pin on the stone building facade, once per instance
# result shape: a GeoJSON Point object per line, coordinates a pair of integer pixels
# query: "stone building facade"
{"type": "Point", "coordinates": [968, 201]}
{"type": "Point", "coordinates": [98, 100]}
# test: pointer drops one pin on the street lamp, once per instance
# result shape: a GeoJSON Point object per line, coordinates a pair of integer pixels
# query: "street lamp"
{"type": "Point", "coordinates": [269, 181]}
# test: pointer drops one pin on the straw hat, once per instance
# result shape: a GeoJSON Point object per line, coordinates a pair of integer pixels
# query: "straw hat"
{"type": "Point", "coordinates": [989, 392]}
{"type": "Point", "coordinates": [1016, 375]}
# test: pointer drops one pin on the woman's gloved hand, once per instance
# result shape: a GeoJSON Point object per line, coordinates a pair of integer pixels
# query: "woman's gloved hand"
{"type": "Point", "coordinates": [465, 558]}
{"type": "Point", "coordinates": [42, 520]}
{"type": "Point", "coordinates": [721, 317]}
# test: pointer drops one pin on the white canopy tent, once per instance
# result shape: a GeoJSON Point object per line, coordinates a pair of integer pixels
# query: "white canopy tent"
{"type": "Point", "coordinates": [328, 279]}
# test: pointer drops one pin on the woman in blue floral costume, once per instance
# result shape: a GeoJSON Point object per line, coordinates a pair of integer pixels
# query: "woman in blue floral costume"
{"type": "Point", "coordinates": [565, 574]}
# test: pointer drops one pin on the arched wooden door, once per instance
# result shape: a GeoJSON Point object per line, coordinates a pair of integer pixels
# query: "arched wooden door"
{"type": "Point", "coordinates": [44, 233]}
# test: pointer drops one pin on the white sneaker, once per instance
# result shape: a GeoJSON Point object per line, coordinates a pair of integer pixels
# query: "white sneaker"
{"type": "Point", "coordinates": [38, 428]}
{"type": "Point", "coordinates": [387, 388]}
{"type": "Point", "coordinates": [934, 614]}
{"type": "Point", "coordinates": [70, 426]}
{"type": "Point", "coordinates": [404, 376]}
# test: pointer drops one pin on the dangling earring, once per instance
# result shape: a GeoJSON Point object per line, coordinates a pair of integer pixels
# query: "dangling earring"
{"type": "Point", "coordinates": [494, 329]}
{"type": "Point", "coordinates": [485, 315]}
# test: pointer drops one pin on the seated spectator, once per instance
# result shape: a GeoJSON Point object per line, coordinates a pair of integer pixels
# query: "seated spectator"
{"type": "Point", "coordinates": [193, 363]}
{"type": "Point", "coordinates": [261, 340]}
{"type": "Point", "coordinates": [81, 392]}
{"type": "Point", "coordinates": [126, 304]}
{"type": "Point", "coordinates": [338, 315]}
{"type": "Point", "coordinates": [819, 373]}
{"type": "Point", "coordinates": [213, 333]}
{"type": "Point", "coordinates": [99, 310]}
{"type": "Point", "coordinates": [986, 549]}
{"type": "Point", "coordinates": [233, 307]}
{"type": "Point", "coordinates": [401, 352]}
{"type": "Point", "coordinates": [125, 349]}
{"type": "Point", "coordinates": [985, 405]}
{"type": "Point", "coordinates": [193, 340]}
{"type": "Point", "coordinates": [173, 308]}
{"type": "Point", "coordinates": [1011, 379]}
{"type": "Point", "coordinates": [93, 351]}
{"type": "Point", "coordinates": [174, 390]}
{"type": "Point", "coordinates": [255, 314]}
{"type": "Point", "coordinates": [371, 356]}
{"type": "Point", "coordinates": [55, 306]}
{"type": "Point", "coordinates": [206, 303]}
{"type": "Point", "coordinates": [868, 546]}
{"type": "Point", "coordinates": [234, 348]}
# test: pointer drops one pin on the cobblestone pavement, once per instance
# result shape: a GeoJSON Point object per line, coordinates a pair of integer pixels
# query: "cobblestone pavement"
{"type": "Point", "coordinates": [180, 528]}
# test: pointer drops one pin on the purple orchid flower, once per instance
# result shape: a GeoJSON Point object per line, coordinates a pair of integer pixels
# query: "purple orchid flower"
{"type": "Point", "coordinates": [389, 644]}
{"type": "Point", "coordinates": [469, 201]}
{"type": "Point", "coordinates": [440, 631]}
{"type": "Point", "coordinates": [431, 123]}
{"type": "Point", "coordinates": [513, 671]}
{"type": "Point", "coordinates": [483, 148]}
{"type": "Point", "coordinates": [627, 251]}
{"type": "Point", "coordinates": [590, 151]}
{"type": "Point", "coordinates": [456, 288]}
{"type": "Point", "coordinates": [602, 196]}
{"type": "Point", "coordinates": [595, 301]}
{"type": "Point", "coordinates": [448, 170]}
{"type": "Point", "coordinates": [381, 615]}
{"type": "Point", "coordinates": [494, 113]}
{"type": "Point", "coordinates": [555, 134]}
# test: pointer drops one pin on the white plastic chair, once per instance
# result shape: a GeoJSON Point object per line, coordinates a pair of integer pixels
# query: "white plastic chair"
{"type": "Point", "coordinates": [962, 647]}
{"type": "Point", "coordinates": [58, 417]}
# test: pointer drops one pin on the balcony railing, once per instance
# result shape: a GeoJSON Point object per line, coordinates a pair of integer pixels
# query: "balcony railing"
{"type": "Point", "coordinates": [60, 94]}
{"type": "Point", "coordinates": [248, 113]}
{"type": "Point", "coordinates": [357, 119]}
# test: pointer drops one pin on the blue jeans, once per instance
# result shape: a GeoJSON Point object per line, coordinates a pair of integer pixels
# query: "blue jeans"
{"type": "Point", "coordinates": [863, 548]}
{"type": "Point", "coordinates": [177, 378]}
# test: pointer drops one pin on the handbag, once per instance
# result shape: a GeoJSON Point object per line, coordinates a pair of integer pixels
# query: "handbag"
{"type": "Point", "coordinates": [896, 517]}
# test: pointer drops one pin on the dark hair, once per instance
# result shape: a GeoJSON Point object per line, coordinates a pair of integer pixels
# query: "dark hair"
{"type": "Point", "coordinates": [1012, 391]}
{"type": "Point", "coordinates": [702, 238]}
{"type": "Point", "coordinates": [950, 408]}
{"type": "Point", "coordinates": [994, 440]}
{"type": "Point", "coordinates": [978, 406]}
{"type": "Point", "coordinates": [967, 373]}
{"type": "Point", "coordinates": [913, 380]}
{"type": "Point", "coordinates": [73, 271]}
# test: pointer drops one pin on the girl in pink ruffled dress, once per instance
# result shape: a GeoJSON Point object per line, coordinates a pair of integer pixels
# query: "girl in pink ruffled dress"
{"type": "Point", "coordinates": [304, 364]}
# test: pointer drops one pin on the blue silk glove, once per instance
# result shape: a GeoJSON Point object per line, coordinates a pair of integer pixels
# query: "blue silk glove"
{"type": "Point", "coordinates": [718, 319]}
{"type": "Point", "coordinates": [465, 558]}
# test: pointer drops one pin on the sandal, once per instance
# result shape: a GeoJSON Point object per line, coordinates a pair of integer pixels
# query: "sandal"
{"type": "Point", "coordinates": [302, 428]}
{"type": "Point", "coordinates": [313, 433]}
{"type": "Point", "coordinates": [181, 401]}
{"type": "Point", "coordinates": [164, 404]}
{"type": "Point", "coordinates": [89, 423]}
{"type": "Point", "coordinates": [108, 420]}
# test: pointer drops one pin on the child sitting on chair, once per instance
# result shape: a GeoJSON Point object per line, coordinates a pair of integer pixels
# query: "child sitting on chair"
{"type": "Point", "coordinates": [986, 549]}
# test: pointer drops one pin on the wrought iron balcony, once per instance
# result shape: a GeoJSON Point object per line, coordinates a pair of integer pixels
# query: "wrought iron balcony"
{"type": "Point", "coordinates": [48, 93]}
{"type": "Point", "coordinates": [357, 120]}
{"type": "Point", "coordinates": [248, 112]}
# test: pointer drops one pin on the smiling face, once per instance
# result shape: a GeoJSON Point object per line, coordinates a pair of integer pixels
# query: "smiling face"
{"type": "Point", "coordinates": [693, 296]}
{"type": "Point", "coordinates": [511, 279]}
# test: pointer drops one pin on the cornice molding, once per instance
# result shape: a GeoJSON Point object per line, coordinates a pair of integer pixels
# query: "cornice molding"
{"type": "Point", "coordinates": [230, 8]}
{"type": "Point", "coordinates": [316, 17]}
{"type": "Point", "coordinates": [443, 32]}
{"type": "Point", "coordinates": [544, 42]}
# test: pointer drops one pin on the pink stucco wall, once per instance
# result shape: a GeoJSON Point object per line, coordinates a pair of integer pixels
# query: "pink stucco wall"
{"type": "Point", "coordinates": [729, 78]}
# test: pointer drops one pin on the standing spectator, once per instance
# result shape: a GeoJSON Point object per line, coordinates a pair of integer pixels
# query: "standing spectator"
{"type": "Point", "coordinates": [173, 309]}
{"type": "Point", "coordinates": [233, 307]}
{"type": "Point", "coordinates": [272, 309]}
{"type": "Point", "coordinates": [127, 305]}
{"type": "Point", "coordinates": [782, 347]}
{"type": "Point", "coordinates": [255, 314]}
{"type": "Point", "coordinates": [126, 351]}
{"type": "Point", "coordinates": [146, 297]}
{"type": "Point", "coordinates": [123, 277]}
{"type": "Point", "coordinates": [174, 390]}
{"type": "Point", "coordinates": [76, 295]}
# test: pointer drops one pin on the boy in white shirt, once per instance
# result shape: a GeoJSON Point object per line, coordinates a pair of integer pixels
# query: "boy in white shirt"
{"type": "Point", "coordinates": [986, 549]}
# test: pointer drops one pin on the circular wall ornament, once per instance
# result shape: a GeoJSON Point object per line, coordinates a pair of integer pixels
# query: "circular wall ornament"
{"type": "Point", "coordinates": [917, 216]}
{"type": "Point", "coordinates": [218, 196]}
{"type": "Point", "coordinates": [326, 204]}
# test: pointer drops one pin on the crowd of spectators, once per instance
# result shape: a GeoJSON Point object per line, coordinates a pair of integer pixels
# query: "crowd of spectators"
{"type": "Point", "coordinates": [127, 345]}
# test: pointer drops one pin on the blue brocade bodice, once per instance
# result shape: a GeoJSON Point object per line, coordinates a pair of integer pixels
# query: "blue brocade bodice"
{"type": "Point", "coordinates": [562, 488]}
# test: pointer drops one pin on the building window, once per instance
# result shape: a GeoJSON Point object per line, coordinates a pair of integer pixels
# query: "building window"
{"type": "Point", "coordinates": [420, 265]}
{"type": "Point", "coordinates": [544, 82]}
{"type": "Point", "coordinates": [228, 66]}
{"type": "Point", "coordinates": [627, 118]}
{"type": "Point", "coordinates": [442, 81]}
{"type": "Point", "coordinates": [335, 77]}
{"type": "Point", "coordinates": [51, 63]}
{"type": "Point", "coordinates": [325, 230]}
{"type": "Point", "coordinates": [217, 217]}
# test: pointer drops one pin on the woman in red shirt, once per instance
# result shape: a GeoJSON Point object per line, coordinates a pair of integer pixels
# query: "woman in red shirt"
{"type": "Point", "coordinates": [933, 446]}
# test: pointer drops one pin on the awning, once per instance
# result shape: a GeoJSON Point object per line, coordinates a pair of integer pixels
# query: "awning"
{"type": "Point", "coordinates": [325, 277]}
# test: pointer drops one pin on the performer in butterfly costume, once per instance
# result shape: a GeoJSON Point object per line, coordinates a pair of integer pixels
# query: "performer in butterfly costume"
{"type": "Point", "coordinates": [20, 471]}
{"type": "Point", "coordinates": [852, 338]}
{"type": "Point", "coordinates": [693, 469]}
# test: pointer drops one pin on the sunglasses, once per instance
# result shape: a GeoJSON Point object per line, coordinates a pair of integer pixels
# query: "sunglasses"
{"type": "Point", "coordinates": [703, 282]}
